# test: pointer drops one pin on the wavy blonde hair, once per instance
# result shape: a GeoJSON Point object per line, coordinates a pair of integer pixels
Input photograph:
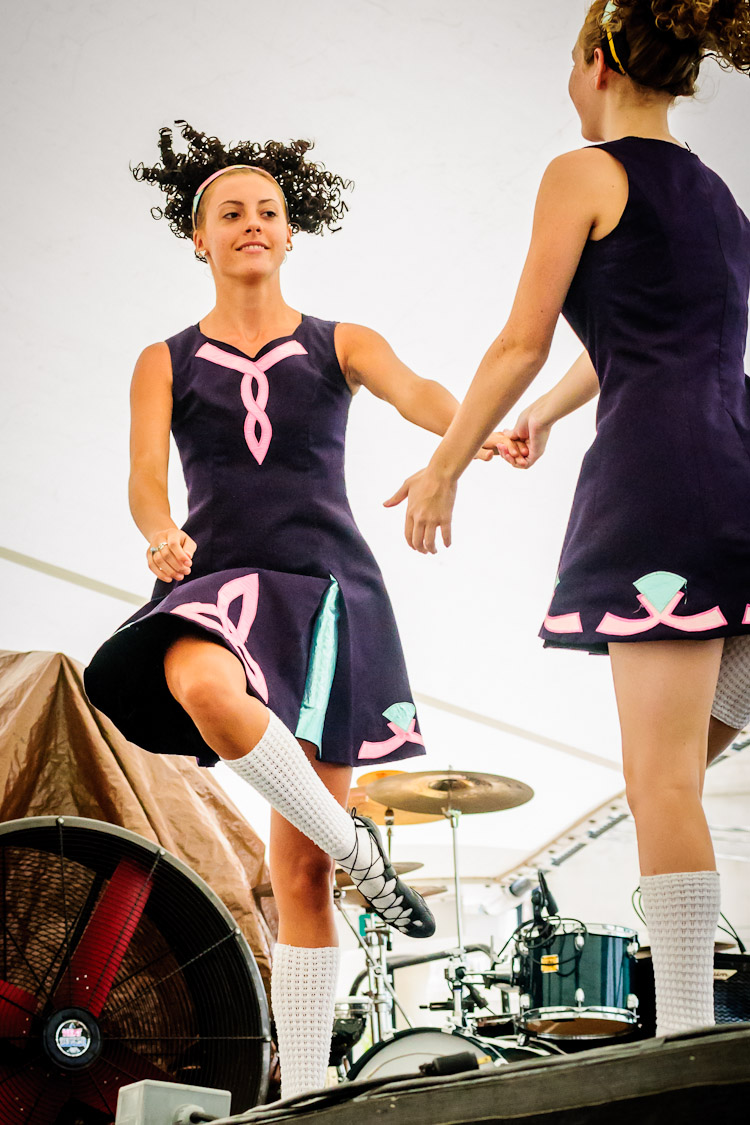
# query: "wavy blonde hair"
{"type": "Point", "coordinates": [669, 41]}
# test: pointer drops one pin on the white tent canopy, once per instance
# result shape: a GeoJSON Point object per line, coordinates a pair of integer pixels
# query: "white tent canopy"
{"type": "Point", "coordinates": [445, 116]}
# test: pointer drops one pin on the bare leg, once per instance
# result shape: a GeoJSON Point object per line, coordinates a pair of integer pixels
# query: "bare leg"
{"type": "Point", "coordinates": [665, 690]}
{"type": "Point", "coordinates": [209, 682]}
{"type": "Point", "coordinates": [302, 874]}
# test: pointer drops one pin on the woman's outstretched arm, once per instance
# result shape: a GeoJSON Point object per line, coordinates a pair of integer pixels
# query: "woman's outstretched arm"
{"type": "Point", "coordinates": [368, 360]}
{"type": "Point", "coordinates": [523, 444]}
{"type": "Point", "coordinates": [150, 422]}
{"type": "Point", "coordinates": [567, 207]}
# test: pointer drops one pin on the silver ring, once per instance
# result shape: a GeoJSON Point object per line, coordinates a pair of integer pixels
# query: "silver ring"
{"type": "Point", "coordinates": [155, 549]}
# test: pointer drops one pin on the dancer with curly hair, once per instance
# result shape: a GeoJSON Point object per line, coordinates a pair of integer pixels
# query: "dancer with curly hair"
{"type": "Point", "coordinates": [270, 642]}
{"type": "Point", "coordinates": [647, 254]}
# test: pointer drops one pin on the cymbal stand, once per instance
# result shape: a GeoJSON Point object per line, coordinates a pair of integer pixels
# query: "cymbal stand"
{"type": "Point", "coordinates": [454, 816]}
{"type": "Point", "coordinates": [374, 944]}
{"type": "Point", "coordinates": [390, 820]}
{"type": "Point", "coordinates": [457, 966]}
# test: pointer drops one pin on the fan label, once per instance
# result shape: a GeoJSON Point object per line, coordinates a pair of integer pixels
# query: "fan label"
{"type": "Point", "coordinates": [73, 1038]}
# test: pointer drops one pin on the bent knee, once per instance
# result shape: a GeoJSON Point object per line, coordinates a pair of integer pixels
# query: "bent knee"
{"type": "Point", "coordinates": [205, 688]}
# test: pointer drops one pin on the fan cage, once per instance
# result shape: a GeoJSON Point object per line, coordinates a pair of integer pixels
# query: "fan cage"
{"type": "Point", "coordinates": [83, 901]}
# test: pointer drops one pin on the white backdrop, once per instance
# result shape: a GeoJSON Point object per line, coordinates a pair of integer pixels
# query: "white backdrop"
{"type": "Point", "coordinates": [445, 115]}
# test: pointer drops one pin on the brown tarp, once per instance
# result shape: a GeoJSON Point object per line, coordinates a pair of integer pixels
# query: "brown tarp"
{"type": "Point", "coordinates": [59, 755]}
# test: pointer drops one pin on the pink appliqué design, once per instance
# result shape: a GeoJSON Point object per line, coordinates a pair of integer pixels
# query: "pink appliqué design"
{"type": "Point", "coordinates": [746, 617]}
{"type": "Point", "coordinates": [369, 750]}
{"type": "Point", "coordinates": [217, 617]}
{"type": "Point", "coordinates": [563, 623]}
{"type": "Point", "coordinates": [258, 429]}
{"type": "Point", "coordinates": [695, 623]}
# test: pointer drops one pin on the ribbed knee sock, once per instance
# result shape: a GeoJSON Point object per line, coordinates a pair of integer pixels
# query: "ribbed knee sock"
{"type": "Point", "coordinates": [682, 911]}
{"type": "Point", "coordinates": [279, 769]}
{"type": "Point", "coordinates": [731, 703]}
{"type": "Point", "coordinates": [303, 995]}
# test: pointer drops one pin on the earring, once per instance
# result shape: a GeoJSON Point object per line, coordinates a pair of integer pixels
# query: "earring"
{"type": "Point", "coordinates": [289, 246]}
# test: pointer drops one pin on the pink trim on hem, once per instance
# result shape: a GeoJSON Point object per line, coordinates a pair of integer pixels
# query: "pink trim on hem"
{"type": "Point", "coordinates": [370, 750]}
{"type": "Point", "coordinates": [615, 626]}
{"type": "Point", "coordinates": [563, 623]}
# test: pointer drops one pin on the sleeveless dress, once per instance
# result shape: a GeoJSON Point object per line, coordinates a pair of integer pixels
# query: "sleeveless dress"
{"type": "Point", "coordinates": [281, 574]}
{"type": "Point", "coordinates": [658, 542]}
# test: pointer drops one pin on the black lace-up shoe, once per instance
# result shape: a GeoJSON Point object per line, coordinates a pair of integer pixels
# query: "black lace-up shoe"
{"type": "Point", "coordinates": [387, 895]}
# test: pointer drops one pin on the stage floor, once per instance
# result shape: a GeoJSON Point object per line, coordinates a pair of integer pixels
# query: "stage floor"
{"type": "Point", "coordinates": [699, 1077]}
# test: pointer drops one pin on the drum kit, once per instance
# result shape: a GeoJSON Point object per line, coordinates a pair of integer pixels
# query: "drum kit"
{"type": "Point", "coordinates": [560, 984]}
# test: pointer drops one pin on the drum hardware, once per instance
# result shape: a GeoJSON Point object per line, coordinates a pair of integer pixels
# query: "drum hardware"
{"type": "Point", "coordinates": [450, 794]}
{"type": "Point", "coordinates": [384, 814]}
{"type": "Point", "coordinates": [434, 793]}
{"type": "Point", "coordinates": [575, 980]}
{"type": "Point", "coordinates": [407, 1050]}
{"type": "Point", "coordinates": [350, 1021]}
{"type": "Point", "coordinates": [374, 941]}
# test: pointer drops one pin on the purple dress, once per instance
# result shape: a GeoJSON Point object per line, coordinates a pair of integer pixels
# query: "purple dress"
{"type": "Point", "coordinates": [281, 574]}
{"type": "Point", "coordinates": [658, 543]}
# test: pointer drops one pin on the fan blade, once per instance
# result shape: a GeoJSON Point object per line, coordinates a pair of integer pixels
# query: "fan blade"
{"type": "Point", "coordinates": [17, 1006]}
{"type": "Point", "coordinates": [99, 954]}
{"type": "Point", "coordinates": [98, 1086]}
{"type": "Point", "coordinates": [31, 1096]}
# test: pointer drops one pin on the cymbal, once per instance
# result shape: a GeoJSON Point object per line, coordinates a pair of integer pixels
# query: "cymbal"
{"type": "Point", "coordinates": [432, 792]}
{"type": "Point", "coordinates": [343, 878]}
{"type": "Point", "coordinates": [364, 805]}
{"type": "Point", "coordinates": [349, 897]}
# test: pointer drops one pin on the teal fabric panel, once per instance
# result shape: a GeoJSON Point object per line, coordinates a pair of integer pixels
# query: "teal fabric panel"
{"type": "Point", "coordinates": [320, 670]}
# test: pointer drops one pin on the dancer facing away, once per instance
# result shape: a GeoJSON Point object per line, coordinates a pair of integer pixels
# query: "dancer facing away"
{"type": "Point", "coordinates": [270, 641]}
{"type": "Point", "coordinates": [646, 253]}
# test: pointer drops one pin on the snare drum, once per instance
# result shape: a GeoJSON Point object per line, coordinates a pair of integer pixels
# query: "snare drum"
{"type": "Point", "coordinates": [407, 1050]}
{"type": "Point", "coordinates": [576, 981]}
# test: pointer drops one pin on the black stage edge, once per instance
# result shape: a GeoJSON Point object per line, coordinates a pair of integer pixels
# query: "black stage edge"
{"type": "Point", "coordinates": [701, 1077]}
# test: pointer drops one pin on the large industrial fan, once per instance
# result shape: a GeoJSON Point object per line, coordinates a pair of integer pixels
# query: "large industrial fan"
{"type": "Point", "coordinates": [117, 963]}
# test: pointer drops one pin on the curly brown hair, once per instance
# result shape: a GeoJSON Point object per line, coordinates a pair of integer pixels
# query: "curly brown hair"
{"type": "Point", "coordinates": [667, 41]}
{"type": "Point", "coordinates": [311, 194]}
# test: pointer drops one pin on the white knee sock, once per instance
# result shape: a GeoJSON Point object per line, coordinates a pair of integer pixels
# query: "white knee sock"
{"type": "Point", "coordinates": [732, 699]}
{"type": "Point", "coordinates": [303, 995]}
{"type": "Point", "coordinates": [280, 770]}
{"type": "Point", "coordinates": [278, 767]}
{"type": "Point", "coordinates": [682, 911]}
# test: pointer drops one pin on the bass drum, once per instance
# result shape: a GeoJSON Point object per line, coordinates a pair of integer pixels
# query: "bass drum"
{"type": "Point", "coordinates": [407, 1050]}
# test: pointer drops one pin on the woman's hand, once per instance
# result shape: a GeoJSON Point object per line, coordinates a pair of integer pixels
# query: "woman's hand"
{"type": "Point", "coordinates": [431, 499]}
{"type": "Point", "coordinates": [170, 554]}
{"type": "Point", "coordinates": [525, 443]}
{"type": "Point", "coordinates": [491, 448]}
